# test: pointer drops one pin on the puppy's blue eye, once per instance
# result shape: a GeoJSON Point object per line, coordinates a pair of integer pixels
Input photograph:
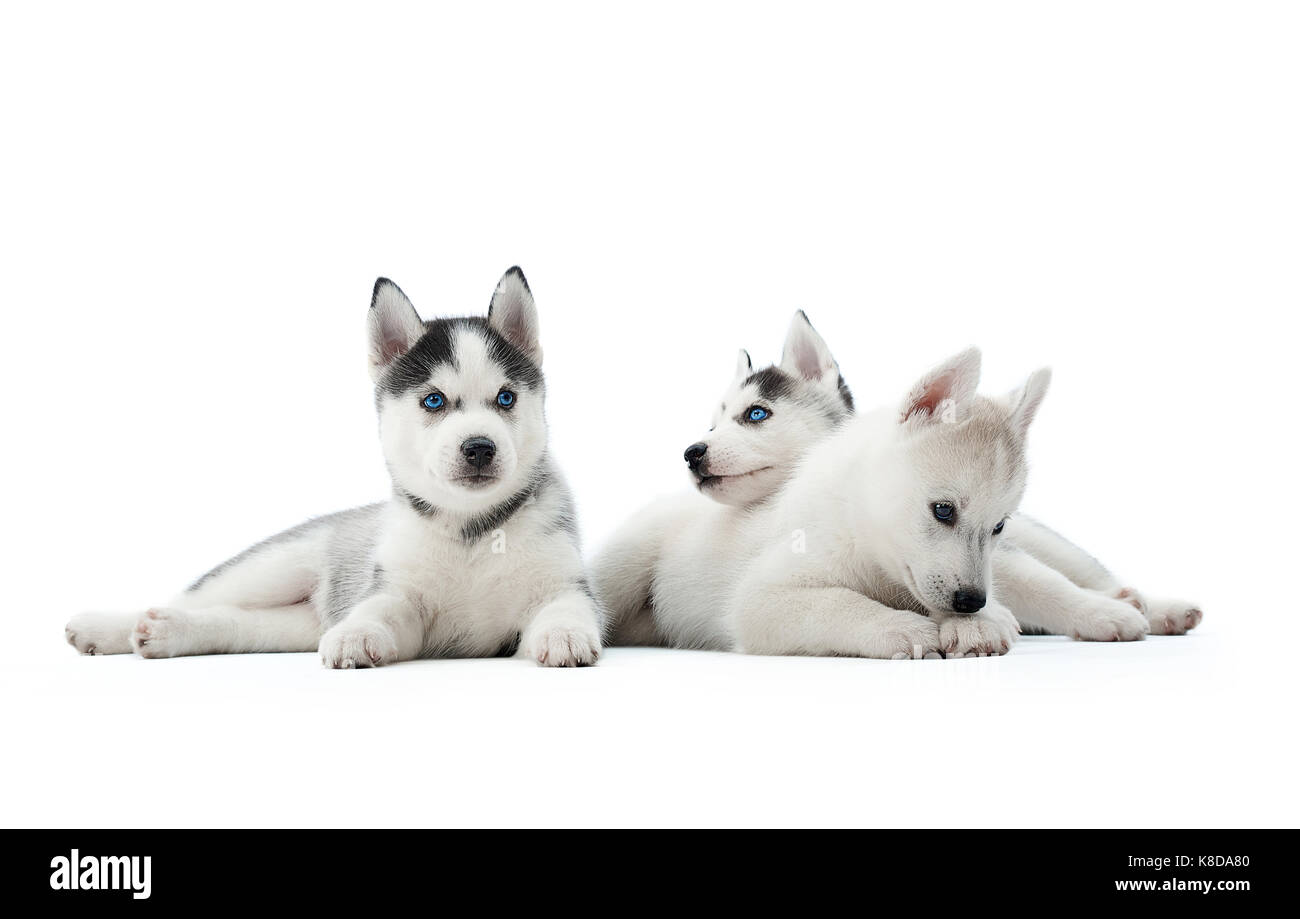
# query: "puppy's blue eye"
{"type": "Point", "coordinates": [756, 413]}
{"type": "Point", "coordinates": [434, 401]}
{"type": "Point", "coordinates": [505, 398]}
{"type": "Point", "coordinates": [944, 512]}
{"type": "Point", "coordinates": [998, 529]}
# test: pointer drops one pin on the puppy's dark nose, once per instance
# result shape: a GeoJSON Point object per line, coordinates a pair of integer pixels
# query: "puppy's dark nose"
{"type": "Point", "coordinates": [478, 451]}
{"type": "Point", "coordinates": [695, 453]}
{"type": "Point", "coordinates": [967, 601]}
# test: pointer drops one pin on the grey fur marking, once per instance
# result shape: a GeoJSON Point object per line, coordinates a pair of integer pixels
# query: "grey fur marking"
{"type": "Point", "coordinates": [419, 505]}
{"type": "Point", "coordinates": [477, 527]}
{"type": "Point", "coordinates": [349, 563]}
{"type": "Point", "coordinates": [295, 532]}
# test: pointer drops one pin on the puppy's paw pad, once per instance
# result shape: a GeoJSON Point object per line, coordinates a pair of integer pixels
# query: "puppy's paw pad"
{"type": "Point", "coordinates": [160, 633]}
{"type": "Point", "coordinates": [566, 647]}
{"type": "Point", "coordinates": [348, 647]}
{"type": "Point", "coordinates": [1173, 617]}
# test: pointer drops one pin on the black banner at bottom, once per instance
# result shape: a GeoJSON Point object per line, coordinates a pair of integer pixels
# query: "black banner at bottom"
{"type": "Point", "coordinates": [366, 869]}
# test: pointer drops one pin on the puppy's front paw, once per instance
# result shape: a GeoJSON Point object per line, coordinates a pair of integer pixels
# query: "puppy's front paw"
{"type": "Point", "coordinates": [906, 636]}
{"type": "Point", "coordinates": [991, 631]}
{"type": "Point", "coordinates": [1172, 617]}
{"type": "Point", "coordinates": [1103, 619]}
{"type": "Point", "coordinates": [564, 646]}
{"type": "Point", "coordinates": [350, 645]}
{"type": "Point", "coordinates": [564, 633]}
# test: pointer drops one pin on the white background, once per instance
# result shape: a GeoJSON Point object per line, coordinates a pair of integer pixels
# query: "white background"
{"type": "Point", "coordinates": [195, 206]}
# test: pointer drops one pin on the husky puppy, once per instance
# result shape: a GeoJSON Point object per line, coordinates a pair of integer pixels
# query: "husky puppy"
{"type": "Point", "coordinates": [476, 553]}
{"type": "Point", "coordinates": [761, 430]}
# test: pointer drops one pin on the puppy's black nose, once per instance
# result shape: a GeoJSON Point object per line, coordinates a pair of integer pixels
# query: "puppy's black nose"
{"type": "Point", "coordinates": [478, 451]}
{"type": "Point", "coordinates": [695, 453]}
{"type": "Point", "coordinates": [967, 601]}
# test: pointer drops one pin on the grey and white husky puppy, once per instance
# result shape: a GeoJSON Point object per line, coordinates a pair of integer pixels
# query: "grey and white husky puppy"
{"type": "Point", "coordinates": [768, 422]}
{"type": "Point", "coordinates": [476, 553]}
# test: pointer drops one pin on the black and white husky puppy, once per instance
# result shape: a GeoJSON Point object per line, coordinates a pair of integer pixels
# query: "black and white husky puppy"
{"type": "Point", "coordinates": [476, 554]}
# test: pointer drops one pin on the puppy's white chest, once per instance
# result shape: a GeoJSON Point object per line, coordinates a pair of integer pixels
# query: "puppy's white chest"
{"type": "Point", "coordinates": [466, 592]}
{"type": "Point", "coordinates": [447, 571]}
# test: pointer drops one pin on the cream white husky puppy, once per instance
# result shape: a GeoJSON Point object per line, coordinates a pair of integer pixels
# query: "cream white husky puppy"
{"type": "Point", "coordinates": [475, 554]}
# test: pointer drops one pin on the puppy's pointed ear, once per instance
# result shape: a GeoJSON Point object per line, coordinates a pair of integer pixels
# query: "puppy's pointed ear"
{"type": "Point", "coordinates": [1023, 402]}
{"type": "Point", "coordinates": [744, 366]}
{"type": "Point", "coordinates": [805, 354]}
{"type": "Point", "coordinates": [514, 315]}
{"type": "Point", "coordinates": [939, 394]}
{"type": "Point", "coordinates": [394, 326]}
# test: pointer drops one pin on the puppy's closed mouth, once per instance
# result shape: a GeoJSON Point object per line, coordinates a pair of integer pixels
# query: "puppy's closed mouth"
{"type": "Point", "coordinates": [476, 481]}
{"type": "Point", "coordinates": [704, 480]}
